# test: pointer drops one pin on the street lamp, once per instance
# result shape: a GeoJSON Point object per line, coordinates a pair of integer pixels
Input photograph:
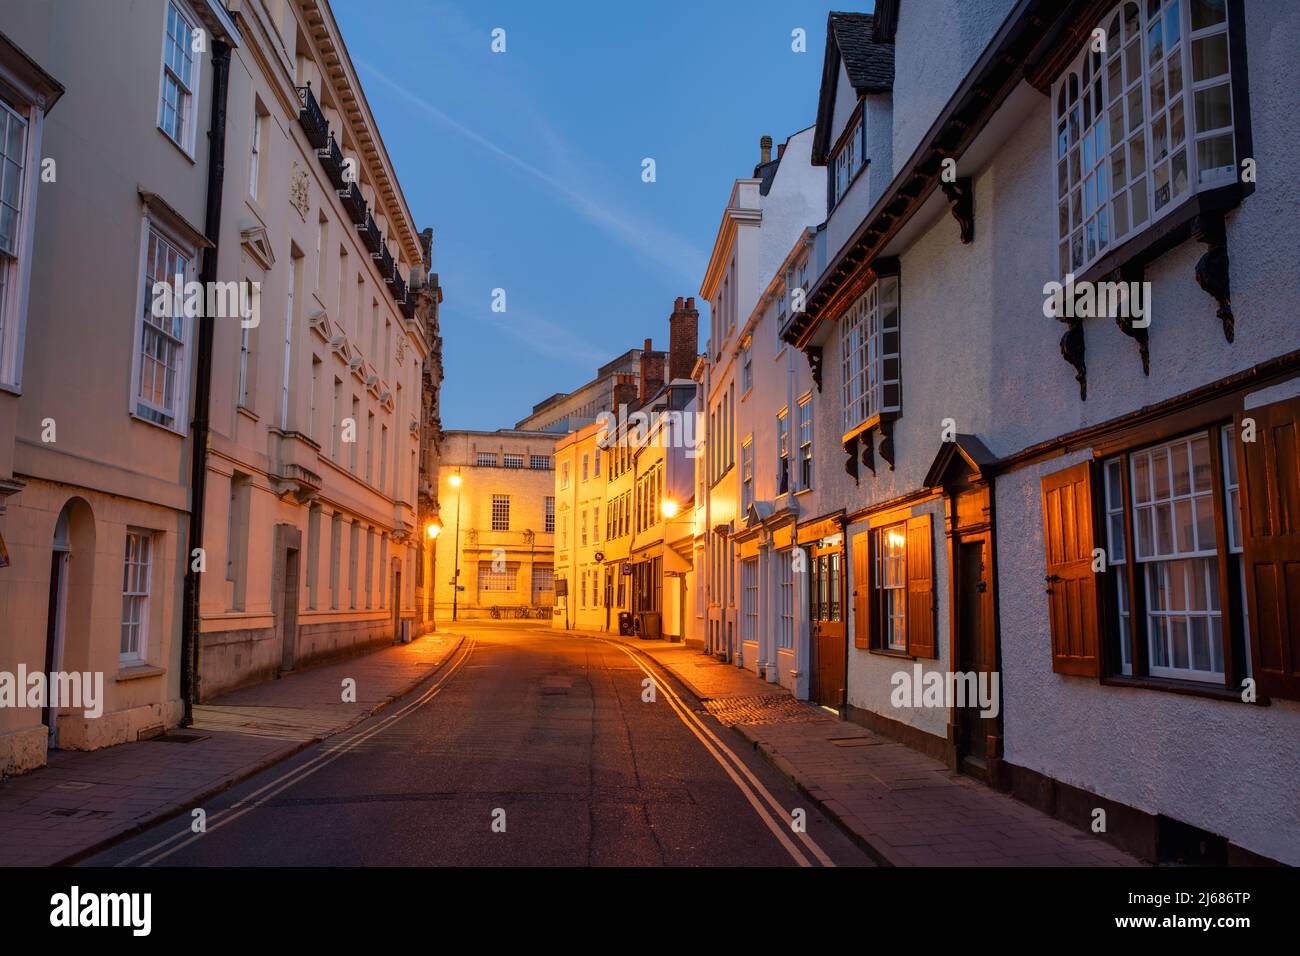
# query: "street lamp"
{"type": "Point", "coordinates": [433, 529]}
{"type": "Point", "coordinates": [454, 481]}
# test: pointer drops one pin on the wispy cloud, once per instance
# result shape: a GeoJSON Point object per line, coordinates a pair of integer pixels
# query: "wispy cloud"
{"type": "Point", "coordinates": [573, 189]}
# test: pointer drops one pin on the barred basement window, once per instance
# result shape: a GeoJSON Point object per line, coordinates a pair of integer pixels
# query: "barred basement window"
{"type": "Point", "coordinates": [513, 461]}
{"type": "Point", "coordinates": [1142, 125]}
{"type": "Point", "coordinates": [486, 459]}
{"type": "Point", "coordinates": [494, 577]}
{"type": "Point", "coordinates": [869, 346]}
{"type": "Point", "coordinates": [539, 462]}
{"type": "Point", "coordinates": [500, 512]}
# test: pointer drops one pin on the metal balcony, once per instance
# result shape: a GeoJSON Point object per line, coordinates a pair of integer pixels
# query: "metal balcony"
{"type": "Point", "coordinates": [312, 119]}
{"type": "Point", "coordinates": [387, 266]}
{"type": "Point", "coordinates": [354, 203]}
{"type": "Point", "coordinates": [398, 287]}
{"type": "Point", "coordinates": [371, 237]}
{"type": "Point", "coordinates": [331, 157]}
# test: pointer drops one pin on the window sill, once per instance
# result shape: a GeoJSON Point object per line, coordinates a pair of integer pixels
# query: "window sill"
{"type": "Point", "coordinates": [802, 491]}
{"type": "Point", "coordinates": [178, 432]}
{"type": "Point", "coordinates": [247, 412]}
{"type": "Point", "coordinates": [897, 655]}
{"type": "Point", "coordinates": [129, 672]}
{"type": "Point", "coordinates": [1189, 688]}
{"type": "Point", "coordinates": [179, 148]}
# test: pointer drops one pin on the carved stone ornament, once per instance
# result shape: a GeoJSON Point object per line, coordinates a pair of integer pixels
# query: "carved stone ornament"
{"type": "Point", "coordinates": [1212, 267]}
{"type": "Point", "coordinates": [299, 191]}
{"type": "Point", "coordinates": [961, 202]}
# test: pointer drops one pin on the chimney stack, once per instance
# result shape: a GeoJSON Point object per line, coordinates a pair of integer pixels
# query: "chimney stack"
{"type": "Point", "coordinates": [625, 392]}
{"type": "Point", "coordinates": [683, 338]}
{"type": "Point", "coordinates": [765, 149]}
{"type": "Point", "coordinates": [652, 371]}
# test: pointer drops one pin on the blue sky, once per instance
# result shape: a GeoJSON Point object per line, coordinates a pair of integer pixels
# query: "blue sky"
{"type": "Point", "coordinates": [527, 165]}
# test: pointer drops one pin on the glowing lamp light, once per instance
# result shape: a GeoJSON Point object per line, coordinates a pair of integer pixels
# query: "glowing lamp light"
{"type": "Point", "coordinates": [669, 508]}
{"type": "Point", "coordinates": [454, 481]}
{"type": "Point", "coordinates": [433, 529]}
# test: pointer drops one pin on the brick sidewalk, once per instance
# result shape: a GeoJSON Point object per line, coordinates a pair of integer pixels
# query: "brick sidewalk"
{"type": "Point", "coordinates": [84, 799]}
{"type": "Point", "coordinates": [905, 808]}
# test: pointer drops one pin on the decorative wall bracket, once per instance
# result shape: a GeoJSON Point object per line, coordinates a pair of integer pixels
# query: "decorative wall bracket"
{"type": "Point", "coordinates": [814, 353]}
{"type": "Point", "coordinates": [961, 202]}
{"type": "Point", "coordinates": [851, 462]}
{"type": "Point", "coordinates": [869, 453]}
{"type": "Point", "coordinates": [1072, 350]}
{"type": "Point", "coordinates": [887, 441]}
{"type": "Point", "coordinates": [1130, 274]}
{"type": "Point", "coordinates": [1212, 267]}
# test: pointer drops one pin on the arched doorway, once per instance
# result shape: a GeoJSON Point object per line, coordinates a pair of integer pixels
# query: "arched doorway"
{"type": "Point", "coordinates": [67, 621]}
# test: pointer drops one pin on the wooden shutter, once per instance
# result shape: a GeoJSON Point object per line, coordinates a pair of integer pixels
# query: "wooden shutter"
{"type": "Point", "coordinates": [920, 588]}
{"type": "Point", "coordinates": [1071, 582]}
{"type": "Point", "coordinates": [862, 589]}
{"type": "Point", "coordinates": [1269, 475]}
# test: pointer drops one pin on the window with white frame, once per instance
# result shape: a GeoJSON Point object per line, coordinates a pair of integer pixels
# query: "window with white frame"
{"type": "Point", "coordinates": [13, 188]}
{"type": "Point", "coordinates": [891, 584]}
{"type": "Point", "coordinates": [869, 354]}
{"type": "Point", "coordinates": [747, 367]}
{"type": "Point", "coordinates": [136, 569]}
{"type": "Point", "coordinates": [486, 459]}
{"type": "Point", "coordinates": [179, 77]}
{"type": "Point", "coordinates": [1142, 124]}
{"type": "Point", "coordinates": [783, 452]}
{"type": "Point", "coordinates": [512, 461]}
{"type": "Point", "coordinates": [803, 421]}
{"type": "Point", "coordinates": [500, 512]}
{"type": "Point", "coordinates": [255, 156]}
{"type": "Point", "coordinates": [785, 598]}
{"type": "Point", "coordinates": [550, 515]}
{"type": "Point", "coordinates": [162, 360]}
{"type": "Point", "coordinates": [848, 161]}
{"type": "Point", "coordinates": [539, 462]}
{"type": "Point", "coordinates": [1176, 552]}
{"type": "Point", "coordinates": [497, 576]}
{"type": "Point", "coordinates": [749, 599]}
{"type": "Point", "coordinates": [747, 473]}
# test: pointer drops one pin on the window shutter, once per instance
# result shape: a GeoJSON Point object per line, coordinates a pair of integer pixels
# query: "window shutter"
{"type": "Point", "coordinates": [1071, 582]}
{"type": "Point", "coordinates": [862, 590]}
{"type": "Point", "coordinates": [1270, 530]}
{"type": "Point", "coordinates": [920, 588]}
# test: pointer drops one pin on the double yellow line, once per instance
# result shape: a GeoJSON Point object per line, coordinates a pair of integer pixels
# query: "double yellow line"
{"type": "Point", "coordinates": [749, 785]}
{"type": "Point", "coordinates": [327, 756]}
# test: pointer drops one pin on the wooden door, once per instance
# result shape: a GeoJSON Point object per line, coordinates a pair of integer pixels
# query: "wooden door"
{"type": "Point", "coordinates": [977, 653]}
{"type": "Point", "coordinates": [829, 634]}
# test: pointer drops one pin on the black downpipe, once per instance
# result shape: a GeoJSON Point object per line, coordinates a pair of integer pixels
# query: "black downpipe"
{"type": "Point", "coordinates": [203, 380]}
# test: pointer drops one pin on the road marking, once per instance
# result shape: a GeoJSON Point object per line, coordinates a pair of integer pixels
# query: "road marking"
{"type": "Point", "coordinates": [286, 780]}
{"type": "Point", "coordinates": [712, 744]}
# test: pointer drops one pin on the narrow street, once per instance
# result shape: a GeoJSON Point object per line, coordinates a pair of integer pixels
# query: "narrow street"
{"type": "Point", "coordinates": [549, 728]}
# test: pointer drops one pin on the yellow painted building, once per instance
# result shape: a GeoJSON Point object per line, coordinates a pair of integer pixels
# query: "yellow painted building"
{"type": "Point", "coordinates": [583, 511]}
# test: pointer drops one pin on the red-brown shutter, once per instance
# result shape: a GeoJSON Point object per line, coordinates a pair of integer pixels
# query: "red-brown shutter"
{"type": "Point", "coordinates": [920, 588]}
{"type": "Point", "coordinates": [862, 590]}
{"type": "Point", "coordinates": [1269, 481]}
{"type": "Point", "coordinates": [1071, 583]}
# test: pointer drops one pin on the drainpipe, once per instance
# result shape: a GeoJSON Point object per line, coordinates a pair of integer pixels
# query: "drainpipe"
{"type": "Point", "coordinates": [203, 381]}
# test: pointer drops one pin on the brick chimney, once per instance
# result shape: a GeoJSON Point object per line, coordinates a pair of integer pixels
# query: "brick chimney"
{"type": "Point", "coordinates": [652, 371]}
{"type": "Point", "coordinates": [765, 150]}
{"type": "Point", "coordinates": [683, 338]}
{"type": "Point", "coordinates": [625, 391]}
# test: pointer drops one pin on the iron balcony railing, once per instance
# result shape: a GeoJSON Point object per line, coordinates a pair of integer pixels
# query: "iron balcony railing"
{"type": "Point", "coordinates": [312, 119]}
{"type": "Point", "coordinates": [398, 288]}
{"type": "Point", "coordinates": [387, 266]}
{"type": "Point", "coordinates": [354, 203]}
{"type": "Point", "coordinates": [331, 157]}
{"type": "Point", "coordinates": [371, 237]}
{"type": "Point", "coordinates": [407, 307]}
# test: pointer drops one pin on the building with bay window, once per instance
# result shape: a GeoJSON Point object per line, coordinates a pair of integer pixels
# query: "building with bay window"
{"type": "Point", "coordinates": [1068, 372]}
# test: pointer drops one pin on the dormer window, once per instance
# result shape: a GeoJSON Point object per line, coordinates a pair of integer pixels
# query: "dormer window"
{"type": "Point", "coordinates": [1142, 124]}
{"type": "Point", "coordinates": [849, 160]}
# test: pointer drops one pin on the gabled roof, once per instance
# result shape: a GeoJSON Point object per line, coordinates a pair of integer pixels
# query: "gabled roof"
{"type": "Point", "coordinates": [856, 40]}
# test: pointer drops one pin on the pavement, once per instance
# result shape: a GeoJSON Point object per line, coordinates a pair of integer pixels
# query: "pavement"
{"type": "Point", "coordinates": [84, 800]}
{"type": "Point", "coordinates": [902, 807]}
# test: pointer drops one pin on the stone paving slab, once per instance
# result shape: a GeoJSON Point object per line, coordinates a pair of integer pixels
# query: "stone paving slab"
{"type": "Point", "coordinates": [83, 800]}
{"type": "Point", "coordinates": [904, 808]}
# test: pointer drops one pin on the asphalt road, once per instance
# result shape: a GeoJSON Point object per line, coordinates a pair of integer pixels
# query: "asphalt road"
{"type": "Point", "coordinates": [529, 747]}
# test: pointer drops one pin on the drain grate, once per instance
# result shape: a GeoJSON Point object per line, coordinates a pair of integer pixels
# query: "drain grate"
{"type": "Point", "coordinates": [178, 737]}
{"type": "Point", "coordinates": [759, 709]}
